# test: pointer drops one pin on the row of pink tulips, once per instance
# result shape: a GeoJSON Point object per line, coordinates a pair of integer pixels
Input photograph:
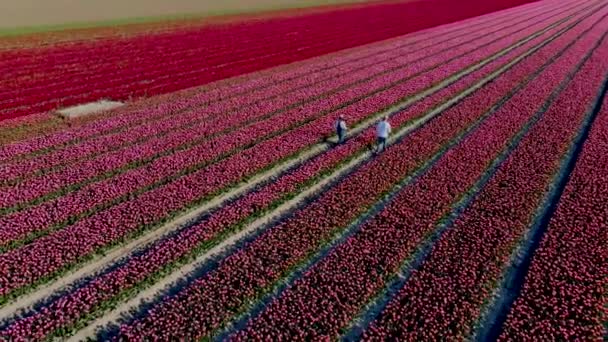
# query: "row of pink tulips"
{"type": "Point", "coordinates": [18, 168]}
{"type": "Point", "coordinates": [49, 254]}
{"type": "Point", "coordinates": [163, 254]}
{"type": "Point", "coordinates": [563, 296]}
{"type": "Point", "coordinates": [252, 267]}
{"type": "Point", "coordinates": [467, 261]}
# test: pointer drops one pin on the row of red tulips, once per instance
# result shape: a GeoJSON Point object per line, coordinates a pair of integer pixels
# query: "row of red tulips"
{"type": "Point", "coordinates": [564, 294]}
{"type": "Point", "coordinates": [210, 119]}
{"type": "Point", "coordinates": [445, 297]}
{"type": "Point", "coordinates": [270, 39]}
{"type": "Point", "coordinates": [181, 33]}
{"type": "Point", "coordinates": [193, 59]}
{"type": "Point", "coordinates": [109, 74]}
{"type": "Point", "coordinates": [23, 62]}
{"type": "Point", "coordinates": [448, 124]}
{"type": "Point", "coordinates": [170, 253]}
{"type": "Point", "coordinates": [97, 194]}
{"type": "Point", "coordinates": [329, 295]}
{"type": "Point", "coordinates": [50, 93]}
{"type": "Point", "coordinates": [174, 46]}
{"type": "Point", "coordinates": [222, 90]}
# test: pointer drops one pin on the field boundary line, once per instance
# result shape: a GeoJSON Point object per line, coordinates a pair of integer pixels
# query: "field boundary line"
{"type": "Point", "coordinates": [25, 301]}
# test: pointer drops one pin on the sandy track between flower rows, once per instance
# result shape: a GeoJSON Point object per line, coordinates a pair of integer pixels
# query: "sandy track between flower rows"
{"type": "Point", "coordinates": [286, 208]}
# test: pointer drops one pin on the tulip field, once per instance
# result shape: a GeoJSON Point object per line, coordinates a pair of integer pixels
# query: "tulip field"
{"type": "Point", "coordinates": [217, 204]}
{"type": "Point", "coordinates": [46, 76]}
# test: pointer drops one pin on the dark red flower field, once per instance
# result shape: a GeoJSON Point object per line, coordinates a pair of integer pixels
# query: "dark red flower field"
{"type": "Point", "coordinates": [36, 80]}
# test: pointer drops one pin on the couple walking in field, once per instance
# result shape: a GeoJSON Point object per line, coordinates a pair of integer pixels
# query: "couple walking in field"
{"type": "Point", "coordinates": [383, 129]}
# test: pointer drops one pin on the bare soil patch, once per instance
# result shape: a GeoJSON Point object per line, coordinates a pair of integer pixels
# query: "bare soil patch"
{"type": "Point", "coordinates": [89, 109]}
{"type": "Point", "coordinates": [31, 13]}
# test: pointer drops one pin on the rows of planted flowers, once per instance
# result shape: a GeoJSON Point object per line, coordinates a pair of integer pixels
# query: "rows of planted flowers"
{"type": "Point", "coordinates": [50, 254]}
{"type": "Point", "coordinates": [333, 291]}
{"type": "Point", "coordinates": [167, 106]}
{"type": "Point", "coordinates": [267, 94]}
{"type": "Point", "coordinates": [31, 217]}
{"type": "Point", "coordinates": [177, 306]}
{"type": "Point", "coordinates": [129, 66]}
{"type": "Point", "coordinates": [208, 127]}
{"type": "Point", "coordinates": [210, 118]}
{"type": "Point", "coordinates": [178, 249]}
{"type": "Point", "coordinates": [257, 265]}
{"type": "Point", "coordinates": [258, 82]}
{"type": "Point", "coordinates": [564, 294]}
{"type": "Point", "coordinates": [446, 296]}
{"type": "Point", "coordinates": [498, 124]}
{"type": "Point", "coordinates": [269, 111]}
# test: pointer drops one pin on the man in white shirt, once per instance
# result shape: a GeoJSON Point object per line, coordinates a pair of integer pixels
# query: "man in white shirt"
{"type": "Point", "coordinates": [341, 129]}
{"type": "Point", "coordinates": [383, 129]}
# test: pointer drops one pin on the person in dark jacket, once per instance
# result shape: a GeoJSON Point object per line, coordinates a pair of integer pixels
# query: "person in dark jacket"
{"type": "Point", "coordinates": [341, 129]}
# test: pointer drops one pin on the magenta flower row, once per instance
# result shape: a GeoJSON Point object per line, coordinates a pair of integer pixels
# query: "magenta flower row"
{"type": "Point", "coordinates": [36, 187]}
{"type": "Point", "coordinates": [48, 254]}
{"type": "Point", "coordinates": [564, 294]}
{"type": "Point", "coordinates": [441, 129]}
{"type": "Point", "coordinates": [445, 298]}
{"type": "Point", "coordinates": [45, 215]}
